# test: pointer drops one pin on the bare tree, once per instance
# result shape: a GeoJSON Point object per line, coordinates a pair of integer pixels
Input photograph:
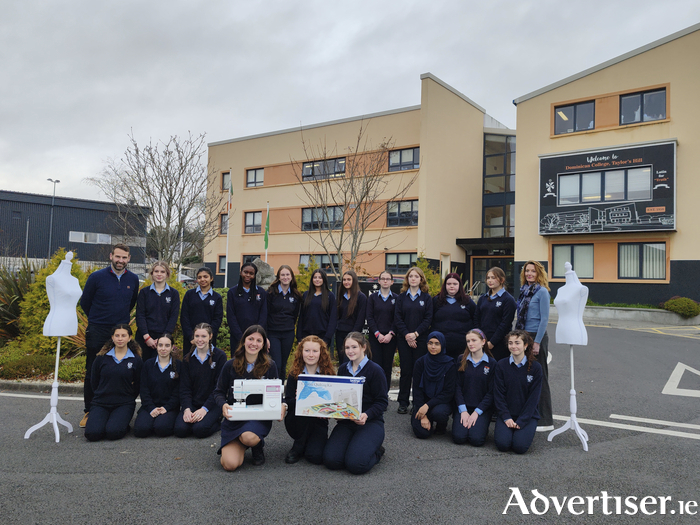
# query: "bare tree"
{"type": "Point", "coordinates": [171, 179]}
{"type": "Point", "coordinates": [348, 192]}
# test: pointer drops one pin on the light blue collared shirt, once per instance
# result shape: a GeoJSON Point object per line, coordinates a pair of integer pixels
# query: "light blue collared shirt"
{"type": "Point", "coordinates": [413, 297]}
{"type": "Point", "coordinates": [384, 298]}
{"type": "Point", "coordinates": [318, 371]}
{"type": "Point", "coordinates": [279, 289]}
{"type": "Point", "coordinates": [451, 300]}
{"type": "Point", "coordinates": [484, 357]}
{"type": "Point", "coordinates": [522, 363]}
{"type": "Point", "coordinates": [359, 368]}
{"type": "Point", "coordinates": [346, 296]}
{"type": "Point", "coordinates": [249, 367]}
{"type": "Point", "coordinates": [497, 294]}
{"type": "Point", "coordinates": [170, 362]}
{"type": "Point", "coordinates": [203, 296]}
{"type": "Point", "coordinates": [196, 354]}
{"type": "Point", "coordinates": [153, 287]}
{"type": "Point", "coordinates": [113, 354]}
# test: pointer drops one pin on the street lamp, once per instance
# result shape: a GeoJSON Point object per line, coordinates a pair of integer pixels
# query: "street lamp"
{"type": "Point", "coordinates": [48, 257]}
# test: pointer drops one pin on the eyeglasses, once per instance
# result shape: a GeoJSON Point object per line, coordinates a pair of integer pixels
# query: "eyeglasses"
{"type": "Point", "coordinates": [385, 279]}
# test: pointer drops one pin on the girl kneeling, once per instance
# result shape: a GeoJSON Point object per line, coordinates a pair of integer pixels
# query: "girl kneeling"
{"type": "Point", "coordinates": [517, 389]}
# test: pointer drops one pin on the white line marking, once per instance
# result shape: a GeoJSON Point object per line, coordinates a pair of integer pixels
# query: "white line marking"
{"type": "Point", "coordinates": [36, 396]}
{"type": "Point", "coordinates": [655, 421]}
{"type": "Point", "coordinates": [632, 427]}
{"type": "Point", "coordinates": [671, 387]}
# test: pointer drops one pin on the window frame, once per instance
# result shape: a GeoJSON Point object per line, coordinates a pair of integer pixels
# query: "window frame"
{"type": "Point", "coordinates": [575, 107]}
{"type": "Point", "coordinates": [258, 178]}
{"type": "Point", "coordinates": [602, 189]}
{"type": "Point", "coordinates": [414, 164]}
{"type": "Point", "coordinates": [223, 224]}
{"type": "Point", "coordinates": [641, 94]}
{"type": "Point", "coordinates": [640, 275]}
{"type": "Point", "coordinates": [323, 173]}
{"type": "Point", "coordinates": [219, 271]}
{"type": "Point", "coordinates": [316, 224]}
{"type": "Point", "coordinates": [398, 269]}
{"type": "Point", "coordinates": [255, 227]}
{"type": "Point", "coordinates": [324, 264]}
{"type": "Point", "coordinates": [399, 221]}
{"type": "Point", "coordinates": [249, 258]}
{"type": "Point", "coordinates": [224, 175]}
{"type": "Point", "coordinates": [571, 259]}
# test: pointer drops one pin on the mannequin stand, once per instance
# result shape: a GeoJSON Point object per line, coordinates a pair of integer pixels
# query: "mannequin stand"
{"type": "Point", "coordinates": [53, 417]}
{"type": "Point", "coordinates": [572, 423]}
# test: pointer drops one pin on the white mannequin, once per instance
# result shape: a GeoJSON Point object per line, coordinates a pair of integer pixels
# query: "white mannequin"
{"type": "Point", "coordinates": [570, 302]}
{"type": "Point", "coordinates": [64, 292]}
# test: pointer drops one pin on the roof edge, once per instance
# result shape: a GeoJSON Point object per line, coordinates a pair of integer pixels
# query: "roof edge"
{"type": "Point", "coordinates": [453, 90]}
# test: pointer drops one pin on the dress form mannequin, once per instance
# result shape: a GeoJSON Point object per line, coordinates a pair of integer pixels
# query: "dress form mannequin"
{"type": "Point", "coordinates": [570, 302]}
{"type": "Point", "coordinates": [64, 292]}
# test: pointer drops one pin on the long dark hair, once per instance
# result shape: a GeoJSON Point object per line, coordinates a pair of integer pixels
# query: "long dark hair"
{"type": "Point", "coordinates": [527, 340]}
{"type": "Point", "coordinates": [131, 345]}
{"type": "Point", "coordinates": [461, 297]}
{"type": "Point", "coordinates": [312, 289]}
{"type": "Point", "coordinates": [208, 328]}
{"type": "Point", "coordinates": [175, 352]}
{"type": "Point", "coordinates": [272, 290]}
{"type": "Point", "coordinates": [353, 292]}
{"type": "Point", "coordinates": [253, 283]}
{"type": "Point", "coordinates": [262, 362]}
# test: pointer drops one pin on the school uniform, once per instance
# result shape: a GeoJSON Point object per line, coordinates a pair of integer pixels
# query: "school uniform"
{"type": "Point", "coordinates": [116, 386]}
{"type": "Point", "coordinates": [354, 447]}
{"type": "Point", "coordinates": [244, 309]}
{"type": "Point", "coordinates": [516, 395]}
{"type": "Point", "coordinates": [412, 314]}
{"type": "Point", "coordinates": [314, 320]}
{"type": "Point", "coordinates": [198, 380]}
{"type": "Point", "coordinates": [454, 320]}
{"type": "Point", "coordinates": [200, 308]}
{"type": "Point", "coordinates": [349, 323]}
{"type": "Point", "coordinates": [494, 317]}
{"type": "Point", "coordinates": [434, 384]}
{"type": "Point", "coordinates": [474, 393]}
{"type": "Point", "coordinates": [156, 314]}
{"type": "Point", "coordinates": [380, 320]}
{"type": "Point", "coordinates": [223, 394]}
{"type": "Point", "coordinates": [310, 434]}
{"type": "Point", "coordinates": [160, 387]}
{"type": "Point", "coordinates": [282, 313]}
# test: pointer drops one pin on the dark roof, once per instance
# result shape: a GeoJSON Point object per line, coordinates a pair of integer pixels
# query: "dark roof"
{"type": "Point", "coordinates": [68, 202]}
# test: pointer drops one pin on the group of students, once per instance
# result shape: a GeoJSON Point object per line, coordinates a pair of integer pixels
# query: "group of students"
{"type": "Point", "coordinates": [190, 396]}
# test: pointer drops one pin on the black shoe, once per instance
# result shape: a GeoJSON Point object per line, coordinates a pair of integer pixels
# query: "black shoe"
{"type": "Point", "coordinates": [258, 454]}
{"type": "Point", "coordinates": [292, 456]}
{"type": "Point", "coordinates": [402, 409]}
{"type": "Point", "coordinates": [380, 453]}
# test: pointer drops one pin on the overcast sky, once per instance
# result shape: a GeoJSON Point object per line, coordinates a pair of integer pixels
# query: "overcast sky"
{"type": "Point", "coordinates": [77, 76]}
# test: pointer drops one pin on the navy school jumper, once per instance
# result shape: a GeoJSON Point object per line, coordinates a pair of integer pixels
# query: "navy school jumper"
{"type": "Point", "coordinates": [380, 319]}
{"type": "Point", "coordinates": [158, 389]}
{"type": "Point", "coordinates": [313, 320]}
{"type": "Point", "coordinates": [454, 321]}
{"type": "Point", "coordinates": [198, 380]}
{"type": "Point", "coordinates": [282, 311]}
{"type": "Point", "coordinates": [195, 311]}
{"type": "Point", "coordinates": [155, 315]}
{"type": "Point", "coordinates": [244, 309]}
{"type": "Point", "coordinates": [309, 433]}
{"type": "Point", "coordinates": [494, 317]}
{"type": "Point", "coordinates": [356, 322]}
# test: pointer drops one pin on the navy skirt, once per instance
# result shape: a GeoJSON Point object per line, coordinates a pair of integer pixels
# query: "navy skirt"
{"type": "Point", "coordinates": [231, 430]}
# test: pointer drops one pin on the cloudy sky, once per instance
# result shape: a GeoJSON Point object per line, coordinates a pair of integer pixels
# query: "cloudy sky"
{"type": "Point", "coordinates": [78, 76]}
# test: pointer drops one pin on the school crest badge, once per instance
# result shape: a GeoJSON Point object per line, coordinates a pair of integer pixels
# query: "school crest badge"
{"type": "Point", "coordinates": [212, 302]}
{"type": "Point", "coordinates": [172, 375]}
{"type": "Point", "coordinates": [529, 379]}
{"type": "Point", "coordinates": [498, 303]}
{"type": "Point", "coordinates": [130, 364]}
{"type": "Point", "coordinates": [422, 303]}
{"type": "Point", "coordinates": [168, 299]}
{"type": "Point", "coordinates": [486, 370]}
{"type": "Point", "coordinates": [213, 365]}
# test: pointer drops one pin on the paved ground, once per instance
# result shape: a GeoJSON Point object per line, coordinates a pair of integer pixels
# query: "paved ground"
{"type": "Point", "coordinates": [621, 373]}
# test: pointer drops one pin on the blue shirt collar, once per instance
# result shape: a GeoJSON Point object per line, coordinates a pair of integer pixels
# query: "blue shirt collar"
{"type": "Point", "coordinates": [522, 363]}
{"type": "Point", "coordinates": [413, 297]}
{"type": "Point", "coordinates": [346, 296]}
{"type": "Point", "coordinates": [279, 289]}
{"type": "Point", "coordinates": [498, 293]}
{"type": "Point", "coordinates": [170, 362]}
{"type": "Point", "coordinates": [153, 287]}
{"type": "Point", "coordinates": [484, 357]}
{"type": "Point", "coordinates": [450, 300]}
{"type": "Point", "coordinates": [318, 370]}
{"type": "Point", "coordinates": [202, 294]}
{"type": "Point", "coordinates": [196, 354]}
{"type": "Point", "coordinates": [359, 368]}
{"type": "Point", "coordinates": [113, 354]}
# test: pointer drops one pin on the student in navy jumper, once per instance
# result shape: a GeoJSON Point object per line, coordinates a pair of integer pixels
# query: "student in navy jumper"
{"type": "Point", "coordinates": [250, 361]}
{"type": "Point", "coordinates": [318, 314]}
{"type": "Point", "coordinates": [434, 383]}
{"type": "Point", "coordinates": [201, 305]}
{"type": "Point", "coordinates": [380, 319]}
{"type": "Point", "coordinates": [474, 394]}
{"type": "Point", "coordinates": [352, 310]}
{"type": "Point", "coordinates": [412, 318]}
{"type": "Point", "coordinates": [108, 298]}
{"type": "Point", "coordinates": [116, 374]}
{"type": "Point", "coordinates": [495, 312]}
{"type": "Point", "coordinates": [309, 433]}
{"type": "Point", "coordinates": [283, 305]}
{"type": "Point", "coordinates": [453, 314]}
{"type": "Point", "coordinates": [160, 391]}
{"type": "Point", "coordinates": [199, 374]}
{"type": "Point", "coordinates": [357, 444]}
{"type": "Point", "coordinates": [533, 316]}
{"type": "Point", "coordinates": [157, 308]}
{"type": "Point", "coordinates": [246, 305]}
{"type": "Point", "coordinates": [516, 392]}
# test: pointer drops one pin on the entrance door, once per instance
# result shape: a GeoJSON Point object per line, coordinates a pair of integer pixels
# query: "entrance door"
{"type": "Point", "coordinates": [481, 265]}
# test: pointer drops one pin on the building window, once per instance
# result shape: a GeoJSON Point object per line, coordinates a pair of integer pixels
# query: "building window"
{"type": "Point", "coordinates": [250, 258]}
{"type": "Point", "coordinates": [400, 262]}
{"type": "Point", "coordinates": [225, 181]}
{"type": "Point", "coordinates": [634, 184]}
{"type": "Point", "coordinates": [323, 261]}
{"type": "Point", "coordinates": [253, 222]}
{"type": "Point", "coordinates": [643, 107]}
{"type": "Point", "coordinates": [403, 213]}
{"type": "Point", "coordinates": [404, 159]}
{"type": "Point", "coordinates": [641, 260]}
{"type": "Point", "coordinates": [90, 238]}
{"type": "Point", "coordinates": [576, 117]}
{"type": "Point", "coordinates": [499, 221]}
{"type": "Point", "coordinates": [323, 169]}
{"type": "Point", "coordinates": [255, 178]}
{"type": "Point", "coordinates": [222, 264]}
{"type": "Point", "coordinates": [322, 219]}
{"type": "Point", "coordinates": [579, 255]}
{"type": "Point", "coordinates": [223, 224]}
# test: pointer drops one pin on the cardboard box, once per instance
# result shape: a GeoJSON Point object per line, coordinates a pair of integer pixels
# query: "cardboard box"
{"type": "Point", "coordinates": [336, 397]}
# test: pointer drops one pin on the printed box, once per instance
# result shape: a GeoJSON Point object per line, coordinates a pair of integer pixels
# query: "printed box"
{"type": "Point", "coordinates": [335, 397]}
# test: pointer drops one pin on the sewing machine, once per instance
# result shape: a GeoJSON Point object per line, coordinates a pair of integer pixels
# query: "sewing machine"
{"type": "Point", "coordinates": [267, 390]}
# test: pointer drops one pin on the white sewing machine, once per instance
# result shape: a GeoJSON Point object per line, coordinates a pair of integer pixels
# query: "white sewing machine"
{"type": "Point", "coordinates": [269, 390]}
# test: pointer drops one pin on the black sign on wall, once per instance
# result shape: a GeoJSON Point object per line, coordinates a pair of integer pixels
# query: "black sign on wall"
{"type": "Point", "coordinates": [624, 189]}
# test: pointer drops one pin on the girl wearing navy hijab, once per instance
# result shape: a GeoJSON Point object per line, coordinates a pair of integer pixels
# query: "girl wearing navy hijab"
{"type": "Point", "coordinates": [246, 305]}
{"type": "Point", "coordinates": [434, 384]}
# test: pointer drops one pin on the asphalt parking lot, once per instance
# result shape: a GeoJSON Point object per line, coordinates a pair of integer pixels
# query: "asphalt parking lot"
{"type": "Point", "coordinates": [643, 443]}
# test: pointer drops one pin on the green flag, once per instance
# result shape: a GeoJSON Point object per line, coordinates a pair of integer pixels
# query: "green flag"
{"type": "Point", "coordinates": [267, 226]}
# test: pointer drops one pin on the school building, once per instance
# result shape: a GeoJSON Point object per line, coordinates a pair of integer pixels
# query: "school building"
{"type": "Point", "coordinates": [458, 213]}
{"type": "Point", "coordinates": [608, 174]}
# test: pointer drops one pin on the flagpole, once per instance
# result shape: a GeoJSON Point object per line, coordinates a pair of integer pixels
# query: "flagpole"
{"type": "Point", "coordinates": [267, 229]}
{"type": "Point", "coordinates": [228, 222]}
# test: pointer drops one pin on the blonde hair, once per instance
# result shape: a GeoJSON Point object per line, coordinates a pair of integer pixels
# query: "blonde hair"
{"type": "Point", "coordinates": [163, 265]}
{"type": "Point", "coordinates": [541, 277]}
{"type": "Point", "coordinates": [423, 282]}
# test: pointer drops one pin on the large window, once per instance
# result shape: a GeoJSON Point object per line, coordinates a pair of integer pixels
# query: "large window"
{"type": "Point", "coordinates": [223, 223]}
{"type": "Point", "coordinates": [322, 219]}
{"type": "Point", "coordinates": [641, 260]}
{"type": "Point", "coordinates": [255, 178]}
{"type": "Point", "coordinates": [404, 159]}
{"type": "Point", "coordinates": [499, 221]}
{"type": "Point", "coordinates": [90, 237]}
{"type": "Point", "coordinates": [400, 262]}
{"type": "Point", "coordinates": [225, 180]}
{"type": "Point", "coordinates": [253, 222]}
{"type": "Point", "coordinates": [499, 186]}
{"type": "Point", "coordinates": [403, 213]}
{"type": "Point", "coordinates": [575, 117]}
{"type": "Point", "coordinates": [643, 107]}
{"type": "Point", "coordinates": [323, 261]}
{"type": "Point", "coordinates": [634, 184]}
{"type": "Point", "coordinates": [323, 169]}
{"type": "Point", "coordinates": [579, 255]}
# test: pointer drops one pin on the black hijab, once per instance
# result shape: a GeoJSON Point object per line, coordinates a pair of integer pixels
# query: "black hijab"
{"type": "Point", "coordinates": [436, 366]}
